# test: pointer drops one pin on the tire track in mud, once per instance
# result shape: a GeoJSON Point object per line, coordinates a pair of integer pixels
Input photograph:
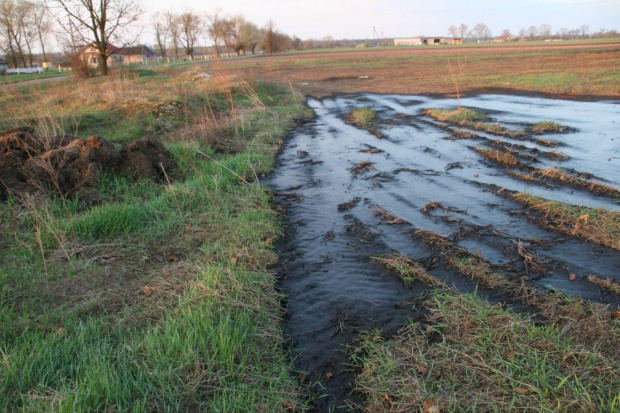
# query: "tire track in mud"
{"type": "Point", "coordinates": [350, 196]}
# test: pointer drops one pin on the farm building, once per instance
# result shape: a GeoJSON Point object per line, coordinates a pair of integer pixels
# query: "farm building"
{"type": "Point", "coordinates": [3, 67]}
{"type": "Point", "coordinates": [411, 41]}
{"type": "Point", "coordinates": [137, 54]}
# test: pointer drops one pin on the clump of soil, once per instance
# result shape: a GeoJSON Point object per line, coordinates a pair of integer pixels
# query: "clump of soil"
{"type": "Point", "coordinates": [360, 168]}
{"type": "Point", "coordinates": [70, 166]}
{"type": "Point", "coordinates": [145, 158]}
{"type": "Point", "coordinates": [345, 206]}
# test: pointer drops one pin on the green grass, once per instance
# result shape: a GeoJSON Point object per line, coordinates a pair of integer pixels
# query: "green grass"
{"type": "Point", "coordinates": [546, 127]}
{"type": "Point", "coordinates": [473, 356]}
{"type": "Point", "coordinates": [363, 117]}
{"type": "Point", "coordinates": [158, 298]}
{"type": "Point", "coordinates": [470, 119]}
{"type": "Point", "coordinates": [460, 116]}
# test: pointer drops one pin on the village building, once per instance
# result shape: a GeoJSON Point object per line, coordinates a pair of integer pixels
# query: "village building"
{"type": "Point", "coordinates": [91, 55]}
{"type": "Point", "coordinates": [137, 54]}
{"type": "Point", "coordinates": [118, 56]}
{"type": "Point", "coordinates": [414, 41]}
{"type": "Point", "coordinates": [3, 66]}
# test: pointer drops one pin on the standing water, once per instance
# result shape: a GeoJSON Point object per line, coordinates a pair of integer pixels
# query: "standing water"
{"type": "Point", "coordinates": [337, 182]}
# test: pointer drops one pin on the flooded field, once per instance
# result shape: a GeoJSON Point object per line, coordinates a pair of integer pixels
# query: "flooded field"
{"type": "Point", "coordinates": [449, 197]}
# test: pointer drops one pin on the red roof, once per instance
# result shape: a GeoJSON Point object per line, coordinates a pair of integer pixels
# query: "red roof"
{"type": "Point", "coordinates": [111, 48]}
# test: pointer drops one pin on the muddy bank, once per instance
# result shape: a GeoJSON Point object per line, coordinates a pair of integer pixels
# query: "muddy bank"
{"type": "Point", "coordinates": [69, 166]}
{"type": "Point", "coordinates": [350, 196]}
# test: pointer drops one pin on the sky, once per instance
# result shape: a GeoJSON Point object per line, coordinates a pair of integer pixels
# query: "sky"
{"type": "Point", "coordinates": [355, 19]}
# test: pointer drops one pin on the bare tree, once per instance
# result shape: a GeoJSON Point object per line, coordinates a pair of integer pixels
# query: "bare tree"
{"type": "Point", "coordinates": [27, 26]}
{"type": "Point", "coordinates": [250, 35]}
{"type": "Point", "coordinates": [544, 30]}
{"type": "Point", "coordinates": [532, 32]}
{"type": "Point", "coordinates": [214, 28]}
{"type": "Point", "coordinates": [190, 27]}
{"type": "Point", "coordinates": [296, 43]}
{"type": "Point", "coordinates": [96, 22]}
{"type": "Point", "coordinates": [270, 41]}
{"type": "Point", "coordinates": [584, 30]}
{"type": "Point", "coordinates": [506, 35]}
{"type": "Point", "coordinates": [161, 33]}
{"type": "Point", "coordinates": [463, 30]}
{"type": "Point", "coordinates": [481, 31]}
{"type": "Point", "coordinates": [228, 34]}
{"type": "Point", "coordinates": [563, 33]}
{"type": "Point", "coordinates": [11, 27]}
{"type": "Point", "coordinates": [43, 25]}
{"type": "Point", "coordinates": [453, 31]}
{"type": "Point", "coordinates": [173, 27]}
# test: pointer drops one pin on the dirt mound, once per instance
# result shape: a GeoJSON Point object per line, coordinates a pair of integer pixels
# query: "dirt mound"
{"type": "Point", "coordinates": [145, 158]}
{"type": "Point", "coordinates": [21, 140]}
{"type": "Point", "coordinates": [71, 169]}
{"type": "Point", "coordinates": [71, 166]}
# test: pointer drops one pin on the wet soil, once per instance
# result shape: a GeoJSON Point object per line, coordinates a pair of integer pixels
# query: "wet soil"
{"type": "Point", "coordinates": [338, 220]}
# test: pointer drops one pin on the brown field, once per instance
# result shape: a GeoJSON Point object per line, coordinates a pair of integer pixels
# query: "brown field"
{"type": "Point", "coordinates": [569, 69]}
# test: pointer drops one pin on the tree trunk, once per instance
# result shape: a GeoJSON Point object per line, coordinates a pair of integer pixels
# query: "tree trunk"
{"type": "Point", "coordinates": [20, 52]}
{"type": "Point", "coordinates": [12, 56]}
{"type": "Point", "coordinates": [43, 49]}
{"type": "Point", "coordinates": [104, 63]}
{"type": "Point", "coordinates": [29, 53]}
{"type": "Point", "coordinates": [217, 49]}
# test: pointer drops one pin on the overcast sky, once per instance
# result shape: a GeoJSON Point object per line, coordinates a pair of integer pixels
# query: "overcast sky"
{"type": "Point", "coordinates": [355, 19]}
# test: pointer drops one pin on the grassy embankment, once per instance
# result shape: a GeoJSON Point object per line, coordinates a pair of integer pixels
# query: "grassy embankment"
{"type": "Point", "coordinates": [158, 298]}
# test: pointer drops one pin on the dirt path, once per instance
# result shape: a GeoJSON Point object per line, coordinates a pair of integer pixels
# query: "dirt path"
{"type": "Point", "coordinates": [351, 196]}
{"type": "Point", "coordinates": [32, 82]}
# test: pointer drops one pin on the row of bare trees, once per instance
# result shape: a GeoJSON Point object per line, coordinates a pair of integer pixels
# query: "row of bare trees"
{"type": "Point", "coordinates": [181, 32]}
{"type": "Point", "coordinates": [482, 32]}
{"type": "Point", "coordinates": [24, 25]}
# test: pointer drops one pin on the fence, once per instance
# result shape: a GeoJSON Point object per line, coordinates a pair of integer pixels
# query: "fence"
{"type": "Point", "coordinates": [23, 70]}
{"type": "Point", "coordinates": [29, 70]}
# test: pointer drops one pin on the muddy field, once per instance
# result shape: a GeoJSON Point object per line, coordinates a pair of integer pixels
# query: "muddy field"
{"type": "Point", "coordinates": [554, 68]}
{"type": "Point", "coordinates": [425, 188]}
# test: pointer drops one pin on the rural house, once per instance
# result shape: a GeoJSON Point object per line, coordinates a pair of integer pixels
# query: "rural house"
{"type": "Point", "coordinates": [91, 55]}
{"type": "Point", "coordinates": [137, 54]}
{"type": "Point", "coordinates": [118, 56]}
{"type": "Point", "coordinates": [411, 41]}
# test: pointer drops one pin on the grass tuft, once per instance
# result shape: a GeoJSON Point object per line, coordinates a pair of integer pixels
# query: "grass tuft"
{"type": "Point", "coordinates": [501, 157]}
{"type": "Point", "coordinates": [542, 127]}
{"type": "Point", "coordinates": [597, 225]}
{"type": "Point", "coordinates": [470, 119]}
{"type": "Point", "coordinates": [363, 117]}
